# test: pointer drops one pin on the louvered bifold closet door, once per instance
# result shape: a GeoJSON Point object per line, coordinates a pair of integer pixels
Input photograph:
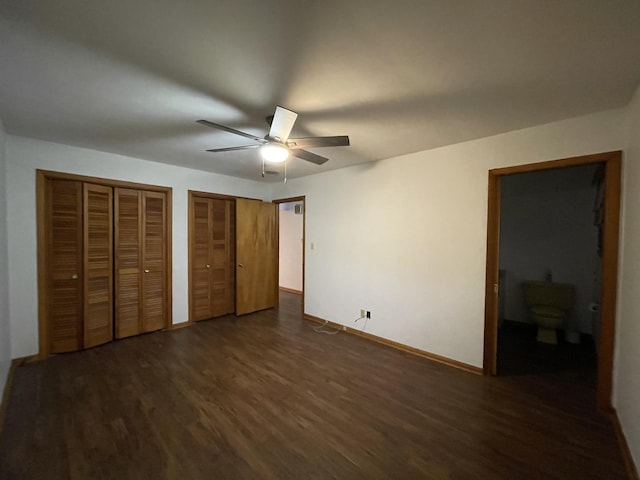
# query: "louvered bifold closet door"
{"type": "Point", "coordinates": [221, 261]}
{"type": "Point", "coordinates": [128, 258]}
{"type": "Point", "coordinates": [212, 247]}
{"type": "Point", "coordinates": [64, 264]}
{"type": "Point", "coordinates": [154, 258]}
{"type": "Point", "coordinates": [201, 258]}
{"type": "Point", "coordinates": [98, 265]}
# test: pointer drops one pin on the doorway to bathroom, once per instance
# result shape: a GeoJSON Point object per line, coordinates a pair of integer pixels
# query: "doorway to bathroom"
{"type": "Point", "coordinates": [291, 228]}
{"type": "Point", "coordinates": [553, 227]}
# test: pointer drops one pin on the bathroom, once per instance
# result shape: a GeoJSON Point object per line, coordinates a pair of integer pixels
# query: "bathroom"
{"type": "Point", "coordinates": [550, 231]}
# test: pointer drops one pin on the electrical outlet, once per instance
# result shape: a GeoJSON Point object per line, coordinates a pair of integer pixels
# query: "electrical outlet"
{"type": "Point", "coordinates": [362, 314]}
{"type": "Point", "coordinates": [368, 314]}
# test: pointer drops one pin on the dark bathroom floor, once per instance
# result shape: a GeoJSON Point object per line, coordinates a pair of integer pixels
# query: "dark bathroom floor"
{"type": "Point", "coordinates": [520, 354]}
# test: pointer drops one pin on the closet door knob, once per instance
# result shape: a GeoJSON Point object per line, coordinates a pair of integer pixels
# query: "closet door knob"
{"type": "Point", "coordinates": [74, 276]}
{"type": "Point", "coordinates": [146, 271]}
{"type": "Point", "coordinates": [207, 266]}
{"type": "Point", "coordinates": [240, 265]}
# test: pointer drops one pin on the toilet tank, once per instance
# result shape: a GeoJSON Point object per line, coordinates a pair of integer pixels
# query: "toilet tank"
{"type": "Point", "coordinates": [559, 295]}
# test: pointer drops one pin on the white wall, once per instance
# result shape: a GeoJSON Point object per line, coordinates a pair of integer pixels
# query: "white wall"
{"type": "Point", "coordinates": [25, 155]}
{"type": "Point", "coordinates": [547, 224]}
{"type": "Point", "coordinates": [290, 232]}
{"type": "Point", "coordinates": [406, 237]}
{"type": "Point", "coordinates": [5, 329]}
{"type": "Point", "coordinates": [627, 372]}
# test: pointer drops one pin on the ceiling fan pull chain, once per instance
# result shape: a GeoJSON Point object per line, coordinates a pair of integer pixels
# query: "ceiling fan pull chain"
{"type": "Point", "coordinates": [263, 168]}
{"type": "Point", "coordinates": [285, 172]}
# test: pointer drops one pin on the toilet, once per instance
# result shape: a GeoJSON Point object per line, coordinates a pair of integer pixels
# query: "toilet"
{"type": "Point", "coordinates": [548, 305]}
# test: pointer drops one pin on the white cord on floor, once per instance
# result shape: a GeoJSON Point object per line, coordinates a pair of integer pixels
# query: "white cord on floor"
{"type": "Point", "coordinates": [319, 329]}
{"type": "Point", "coordinates": [336, 331]}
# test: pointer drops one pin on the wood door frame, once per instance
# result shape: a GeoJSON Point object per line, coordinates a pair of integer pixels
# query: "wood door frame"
{"type": "Point", "coordinates": [303, 199]}
{"type": "Point", "coordinates": [42, 176]}
{"type": "Point", "coordinates": [612, 162]}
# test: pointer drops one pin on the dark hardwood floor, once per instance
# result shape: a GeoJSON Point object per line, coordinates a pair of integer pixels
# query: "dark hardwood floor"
{"type": "Point", "coordinates": [264, 396]}
{"type": "Point", "coordinates": [575, 365]}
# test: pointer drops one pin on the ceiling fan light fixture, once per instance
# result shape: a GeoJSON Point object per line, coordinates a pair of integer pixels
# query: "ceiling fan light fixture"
{"type": "Point", "coordinates": [277, 144]}
{"type": "Point", "coordinates": [274, 153]}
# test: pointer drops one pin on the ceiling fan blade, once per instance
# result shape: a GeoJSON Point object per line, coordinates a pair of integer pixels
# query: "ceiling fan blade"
{"type": "Point", "coordinates": [282, 124]}
{"type": "Point", "coordinates": [309, 157]}
{"type": "Point", "coordinates": [269, 119]}
{"type": "Point", "coordinates": [230, 130]}
{"type": "Point", "coordinates": [314, 142]}
{"type": "Point", "coordinates": [231, 149]}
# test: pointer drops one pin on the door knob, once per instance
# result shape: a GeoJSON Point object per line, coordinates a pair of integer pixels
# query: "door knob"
{"type": "Point", "coordinates": [74, 276]}
{"type": "Point", "coordinates": [240, 265]}
{"type": "Point", "coordinates": [146, 271]}
{"type": "Point", "coordinates": [207, 266]}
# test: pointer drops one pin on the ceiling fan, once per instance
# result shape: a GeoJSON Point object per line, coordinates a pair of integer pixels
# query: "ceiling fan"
{"type": "Point", "coordinates": [276, 146]}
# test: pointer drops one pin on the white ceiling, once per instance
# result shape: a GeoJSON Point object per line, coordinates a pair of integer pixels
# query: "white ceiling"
{"type": "Point", "coordinates": [133, 76]}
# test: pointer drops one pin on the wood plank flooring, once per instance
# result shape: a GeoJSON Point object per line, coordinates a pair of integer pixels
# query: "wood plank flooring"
{"type": "Point", "coordinates": [519, 353]}
{"type": "Point", "coordinates": [264, 396]}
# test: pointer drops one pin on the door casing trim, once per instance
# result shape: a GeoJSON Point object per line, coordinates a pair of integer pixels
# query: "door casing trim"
{"type": "Point", "coordinates": [610, 249]}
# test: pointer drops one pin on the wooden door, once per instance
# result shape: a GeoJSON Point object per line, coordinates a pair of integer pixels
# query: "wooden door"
{"type": "Point", "coordinates": [222, 262]}
{"type": "Point", "coordinates": [200, 258]}
{"type": "Point", "coordinates": [64, 264]}
{"type": "Point", "coordinates": [256, 256]}
{"type": "Point", "coordinates": [212, 247]}
{"type": "Point", "coordinates": [141, 261]}
{"type": "Point", "coordinates": [128, 262]}
{"type": "Point", "coordinates": [154, 248]}
{"type": "Point", "coordinates": [96, 240]}
{"type": "Point", "coordinates": [98, 265]}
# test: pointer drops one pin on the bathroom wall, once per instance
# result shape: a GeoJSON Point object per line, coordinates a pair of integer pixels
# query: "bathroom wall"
{"type": "Point", "coordinates": [291, 225]}
{"type": "Point", "coordinates": [547, 223]}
